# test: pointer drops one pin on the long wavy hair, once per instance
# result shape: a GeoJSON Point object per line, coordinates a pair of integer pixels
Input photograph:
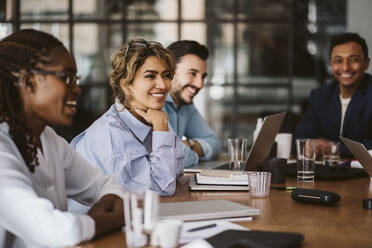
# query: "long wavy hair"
{"type": "Point", "coordinates": [20, 53]}
{"type": "Point", "coordinates": [126, 62]}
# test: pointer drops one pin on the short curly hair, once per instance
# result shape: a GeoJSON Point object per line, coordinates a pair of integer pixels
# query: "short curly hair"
{"type": "Point", "coordinates": [131, 56]}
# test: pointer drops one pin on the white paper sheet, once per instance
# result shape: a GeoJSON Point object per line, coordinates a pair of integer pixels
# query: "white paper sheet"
{"type": "Point", "coordinates": [356, 164]}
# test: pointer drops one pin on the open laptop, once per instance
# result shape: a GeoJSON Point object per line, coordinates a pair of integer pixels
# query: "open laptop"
{"type": "Point", "coordinates": [360, 153]}
{"type": "Point", "coordinates": [204, 210]}
{"type": "Point", "coordinates": [259, 151]}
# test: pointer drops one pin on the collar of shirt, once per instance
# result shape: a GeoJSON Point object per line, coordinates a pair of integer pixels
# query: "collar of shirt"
{"type": "Point", "coordinates": [4, 127]}
{"type": "Point", "coordinates": [139, 129]}
{"type": "Point", "coordinates": [169, 99]}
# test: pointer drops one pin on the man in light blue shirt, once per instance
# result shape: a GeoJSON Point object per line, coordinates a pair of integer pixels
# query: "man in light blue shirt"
{"type": "Point", "coordinates": [201, 141]}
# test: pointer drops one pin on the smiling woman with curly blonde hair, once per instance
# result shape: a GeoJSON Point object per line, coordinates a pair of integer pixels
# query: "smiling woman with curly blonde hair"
{"type": "Point", "coordinates": [132, 140]}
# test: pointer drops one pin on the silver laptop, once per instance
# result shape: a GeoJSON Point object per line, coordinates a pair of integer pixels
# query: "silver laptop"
{"type": "Point", "coordinates": [259, 151]}
{"type": "Point", "coordinates": [360, 153]}
{"type": "Point", "coordinates": [204, 210]}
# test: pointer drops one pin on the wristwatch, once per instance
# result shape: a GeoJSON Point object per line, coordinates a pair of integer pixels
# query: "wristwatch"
{"type": "Point", "coordinates": [191, 143]}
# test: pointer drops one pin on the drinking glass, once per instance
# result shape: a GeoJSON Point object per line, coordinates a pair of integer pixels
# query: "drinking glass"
{"type": "Point", "coordinates": [238, 153]}
{"type": "Point", "coordinates": [259, 183]}
{"type": "Point", "coordinates": [305, 159]}
{"type": "Point", "coordinates": [331, 154]}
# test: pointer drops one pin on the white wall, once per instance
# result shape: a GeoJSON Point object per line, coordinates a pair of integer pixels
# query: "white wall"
{"type": "Point", "coordinates": [359, 20]}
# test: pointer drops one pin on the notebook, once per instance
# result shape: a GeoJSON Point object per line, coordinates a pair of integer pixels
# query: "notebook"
{"type": "Point", "coordinates": [360, 153]}
{"type": "Point", "coordinates": [204, 210]}
{"type": "Point", "coordinates": [259, 151]}
{"type": "Point", "coordinates": [194, 186]}
{"type": "Point", "coordinates": [223, 177]}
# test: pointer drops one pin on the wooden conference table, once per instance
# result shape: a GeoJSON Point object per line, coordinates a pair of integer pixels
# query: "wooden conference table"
{"type": "Point", "coordinates": [345, 225]}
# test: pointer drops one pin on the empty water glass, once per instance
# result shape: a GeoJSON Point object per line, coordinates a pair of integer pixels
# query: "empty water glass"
{"type": "Point", "coordinates": [259, 183]}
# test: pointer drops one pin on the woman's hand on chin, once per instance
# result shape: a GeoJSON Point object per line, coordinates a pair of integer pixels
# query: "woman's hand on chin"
{"type": "Point", "coordinates": [156, 117]}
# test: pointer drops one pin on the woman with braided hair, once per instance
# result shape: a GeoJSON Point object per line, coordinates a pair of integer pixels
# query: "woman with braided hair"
{"type": "Point", "coordinates": [38, 168]}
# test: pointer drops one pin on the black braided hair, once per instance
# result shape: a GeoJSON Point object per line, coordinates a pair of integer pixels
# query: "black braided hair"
{"type": "Point", "coordinates": [22, 51]}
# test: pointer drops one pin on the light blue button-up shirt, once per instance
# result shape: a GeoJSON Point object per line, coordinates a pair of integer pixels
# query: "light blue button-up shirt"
{"type": "Point", "coordinates": [187, 121]}
{"type": "Point", "coordinates": [138, 157]}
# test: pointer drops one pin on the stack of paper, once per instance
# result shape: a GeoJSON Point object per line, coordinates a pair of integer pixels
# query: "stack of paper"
{"type": "Point", "coordinates": [224, 178]}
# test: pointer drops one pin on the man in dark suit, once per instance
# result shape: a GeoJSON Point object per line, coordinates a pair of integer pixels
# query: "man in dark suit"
{"type": "Point", "coordinates": [344, 105]}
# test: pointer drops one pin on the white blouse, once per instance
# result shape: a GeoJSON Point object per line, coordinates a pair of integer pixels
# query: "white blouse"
{"type": "Point", "coordinates": [33, 205]}
{"type": "Point", "coordinates": [344, 103]}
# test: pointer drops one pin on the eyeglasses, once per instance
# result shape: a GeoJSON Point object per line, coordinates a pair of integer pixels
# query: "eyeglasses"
{"type": "Point", "coordinates": [68, 77]}
{"type": "Point", "coordinates": [145, 44]}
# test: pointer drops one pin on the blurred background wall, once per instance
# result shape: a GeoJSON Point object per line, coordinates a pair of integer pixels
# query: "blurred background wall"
{"type": "Point", "coordinates": [266, 55]}
{"type": "Point", "coordinates": [359, 19]}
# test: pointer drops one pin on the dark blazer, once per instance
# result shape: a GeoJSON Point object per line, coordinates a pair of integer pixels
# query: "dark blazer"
{"type": "Point", "coordinates": [323, 116]}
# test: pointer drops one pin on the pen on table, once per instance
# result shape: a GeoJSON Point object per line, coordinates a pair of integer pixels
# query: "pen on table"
{"type": "Point", "coordinates": [202, 227]}
{"type": "Point", "coordinates": [283, 188]}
